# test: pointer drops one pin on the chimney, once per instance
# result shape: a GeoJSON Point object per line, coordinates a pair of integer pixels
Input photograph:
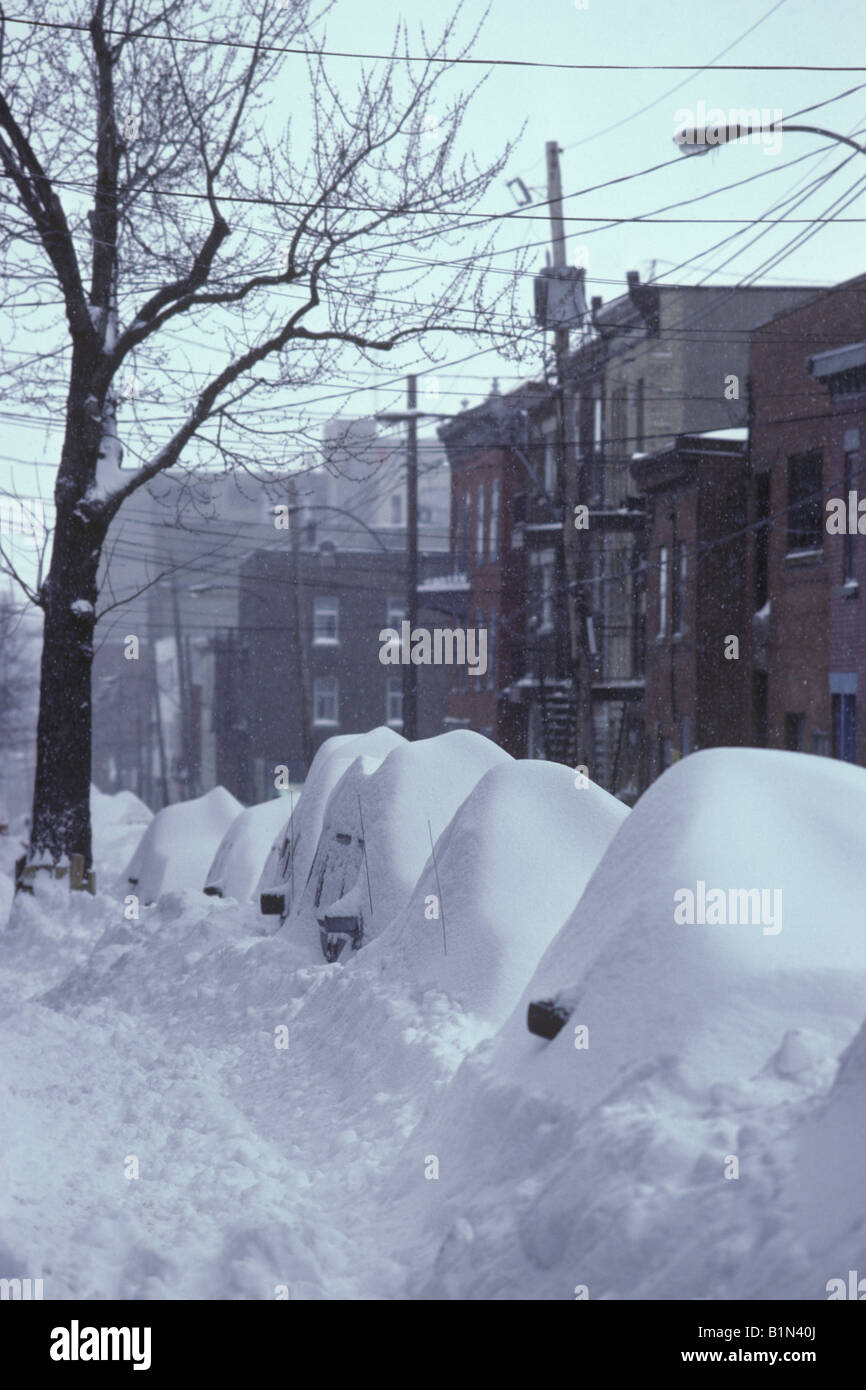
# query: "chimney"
{"type": "Point", "coordinates": [645, 299]}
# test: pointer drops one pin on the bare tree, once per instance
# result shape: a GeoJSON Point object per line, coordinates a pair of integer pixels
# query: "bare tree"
{"type": "Point", "coordinates": [151, 189]}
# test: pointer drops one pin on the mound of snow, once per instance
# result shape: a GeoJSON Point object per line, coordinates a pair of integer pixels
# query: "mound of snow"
{"type": "Point", "coordinates": [713, 999]}
{"type": "Point", "coordinates": [238, 861]}
{"type": "Point", "coordinates": [419, 783]}
{"type": "Point", "coordinates": [292, 852]}
{"type": "Point", "coordinates": [118, 822]}
{"type": "Point", "coordinates": [179, 844]}
{"type": "Point", "coordinates": [688, 1044]}
{"type": "Point", "coordinates": [511, 865]}
{"type": "Point", "coordinates": [825, 1189]}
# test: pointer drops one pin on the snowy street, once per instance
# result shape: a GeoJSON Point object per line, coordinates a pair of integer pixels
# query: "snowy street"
{"type": "Point", "coordinates": [166, 1137]}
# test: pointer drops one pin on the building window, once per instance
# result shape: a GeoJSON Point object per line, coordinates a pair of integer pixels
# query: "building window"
{"type": "Point", "coordinates": [805, 502]}
{"type": "Point", "coordinates": [326, 620]}
{"type": "Point", "coordinates": [325, 700]}
{"type": "Point", "coordinates": [396, 509]}
{"type": "Point", "coordinates": [464, 539]}
{"type": "Point", "coordinates": [395, 611]}
{"type": "Point", "coordinates": [794, 732]}
{"type": "Point", "coordinates": [491, 649]}
{"type": "Point", "coordinates": [597, 424]}
{"type": "Point", "coordinates": [663, 590]}
{"type": "Point", "coordinates": [394, 701]}
{"type": "Point", "coordinates": [820, 743]}
{"type": "Point", "coordinates": [852, 469]}
{"type": "Point", "coordinates": [480, 523]}
{"type": "Point", "coordinates": [678, 593]}
{"type": "Point", "coordinates": [494, 518]}
{"type": "Point", "coordinates": [844, 727]}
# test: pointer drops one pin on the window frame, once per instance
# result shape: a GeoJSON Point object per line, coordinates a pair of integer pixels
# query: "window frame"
{"type": "Point", "coordinates": [800, 539]}
{"type": "Point", "coordinates": [663, 567]}
{"type": "Point", "coordinates": [320, 639]}
{"type": "Point", "coordinates": [321, 722]}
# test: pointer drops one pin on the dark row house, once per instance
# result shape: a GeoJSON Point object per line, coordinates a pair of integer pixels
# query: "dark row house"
{"type": "Point", "coordinates": [304, 663]}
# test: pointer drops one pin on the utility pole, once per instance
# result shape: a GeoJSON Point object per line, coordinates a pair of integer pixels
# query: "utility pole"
{"type": "Point", "coordinates": [184, 698]}
{"type": "Point", "coordinates": [298, 602]}
{"type": "Point", "coordinates": [157, 714]}
{"type": "Point", "coordinates": [410, 672]}
{"type": "Point", "coordinates": [571, 486]}
{"type": "Point", "coordinates": [410, 419]}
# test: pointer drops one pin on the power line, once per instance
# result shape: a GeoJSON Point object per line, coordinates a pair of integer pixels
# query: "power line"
{"type": "Point", "coordinates": [429, 58]}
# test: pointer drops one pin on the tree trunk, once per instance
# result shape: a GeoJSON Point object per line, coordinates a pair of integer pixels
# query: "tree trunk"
{"type": "Point", "coordinates": [61, 796]}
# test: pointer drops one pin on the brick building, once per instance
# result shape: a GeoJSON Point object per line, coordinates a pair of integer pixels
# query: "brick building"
{"type": "Point", "coordinates": [696, 494]}
{"type": "Point", "coordinates": [808, 648]}
{"type": "Point", "coordinates": [304, 662]}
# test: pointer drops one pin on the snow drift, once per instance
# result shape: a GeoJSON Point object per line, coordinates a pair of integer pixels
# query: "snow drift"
{"type": "Point", "coordinates": [711, 1001]}
{"type": "Point", "coordinates": [600, 1158]}
{"type": "Point", "coordinates": [118, 822]}
{"type": "Point", "coordinates": [243, 849]}
{"type": "Point", "coordinates": [510, 865]}
{"type": "Point", "coordinates": [179, 844]}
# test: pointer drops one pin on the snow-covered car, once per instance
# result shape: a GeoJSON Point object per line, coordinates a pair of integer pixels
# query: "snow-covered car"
{"type": "Point", "coordinates": [178, 846]}
{"type": "Point", "coordinates": [376, 834]}
{"type": "Point", "coordinates": [288, 864]}
{"type": "Point", "coordinates": [119, 819]}
{"type": "Point", "coordinates": [238, 861]}
{"type": "Point", "coordinates": [721, 918]}
{"type": "Point", "coordinates": [508, 870]}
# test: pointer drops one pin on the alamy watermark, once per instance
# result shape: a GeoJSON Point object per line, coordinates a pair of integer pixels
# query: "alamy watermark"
{"type": "Point", "coordinates": [439, 646]}
{"type": "Point", "coordinates": [735, 907]}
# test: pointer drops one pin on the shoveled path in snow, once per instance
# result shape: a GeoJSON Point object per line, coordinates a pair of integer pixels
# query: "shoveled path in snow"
{"type": "Point", "coordinates": [259, 1166]}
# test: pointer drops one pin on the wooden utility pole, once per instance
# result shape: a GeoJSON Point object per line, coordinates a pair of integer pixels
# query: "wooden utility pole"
{"type": "Point", "coordinates": [157, 715]}
{"type": "Point", "coordinates": [410, 672]}
{"type": "Point", "coordinates": [299, 617]}
{"type": "Point", "coordinates": [571, 488]}
{"type": "Point", "coordinates": [184, 699]}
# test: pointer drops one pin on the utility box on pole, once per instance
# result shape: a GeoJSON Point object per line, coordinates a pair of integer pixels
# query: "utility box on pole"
{"type": "Point", "coordinates": [560, 297]}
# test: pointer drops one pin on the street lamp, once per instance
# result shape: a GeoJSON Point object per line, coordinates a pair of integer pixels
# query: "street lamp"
{"type": "Point", "coordinates": [692, 140]}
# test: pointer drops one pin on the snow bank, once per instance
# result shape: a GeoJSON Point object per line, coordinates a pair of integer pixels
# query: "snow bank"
{"type": "Point", "coordinates": [825, 1188]}
{"type": "Point", "coordinates": [238, 861]}
{"type": "Point", "coordinates": [712, 1002]}
{"type": "Point", "coordinates": [118, 822]}
{"type": "Point", "coordinates": [179, 844]}
{"type": "Point", "coordinates": [603, 1158]}
{"type": "Point", "coordinates": [511, 864]}
{"type": "Point", "coordinates": [301, 836]}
